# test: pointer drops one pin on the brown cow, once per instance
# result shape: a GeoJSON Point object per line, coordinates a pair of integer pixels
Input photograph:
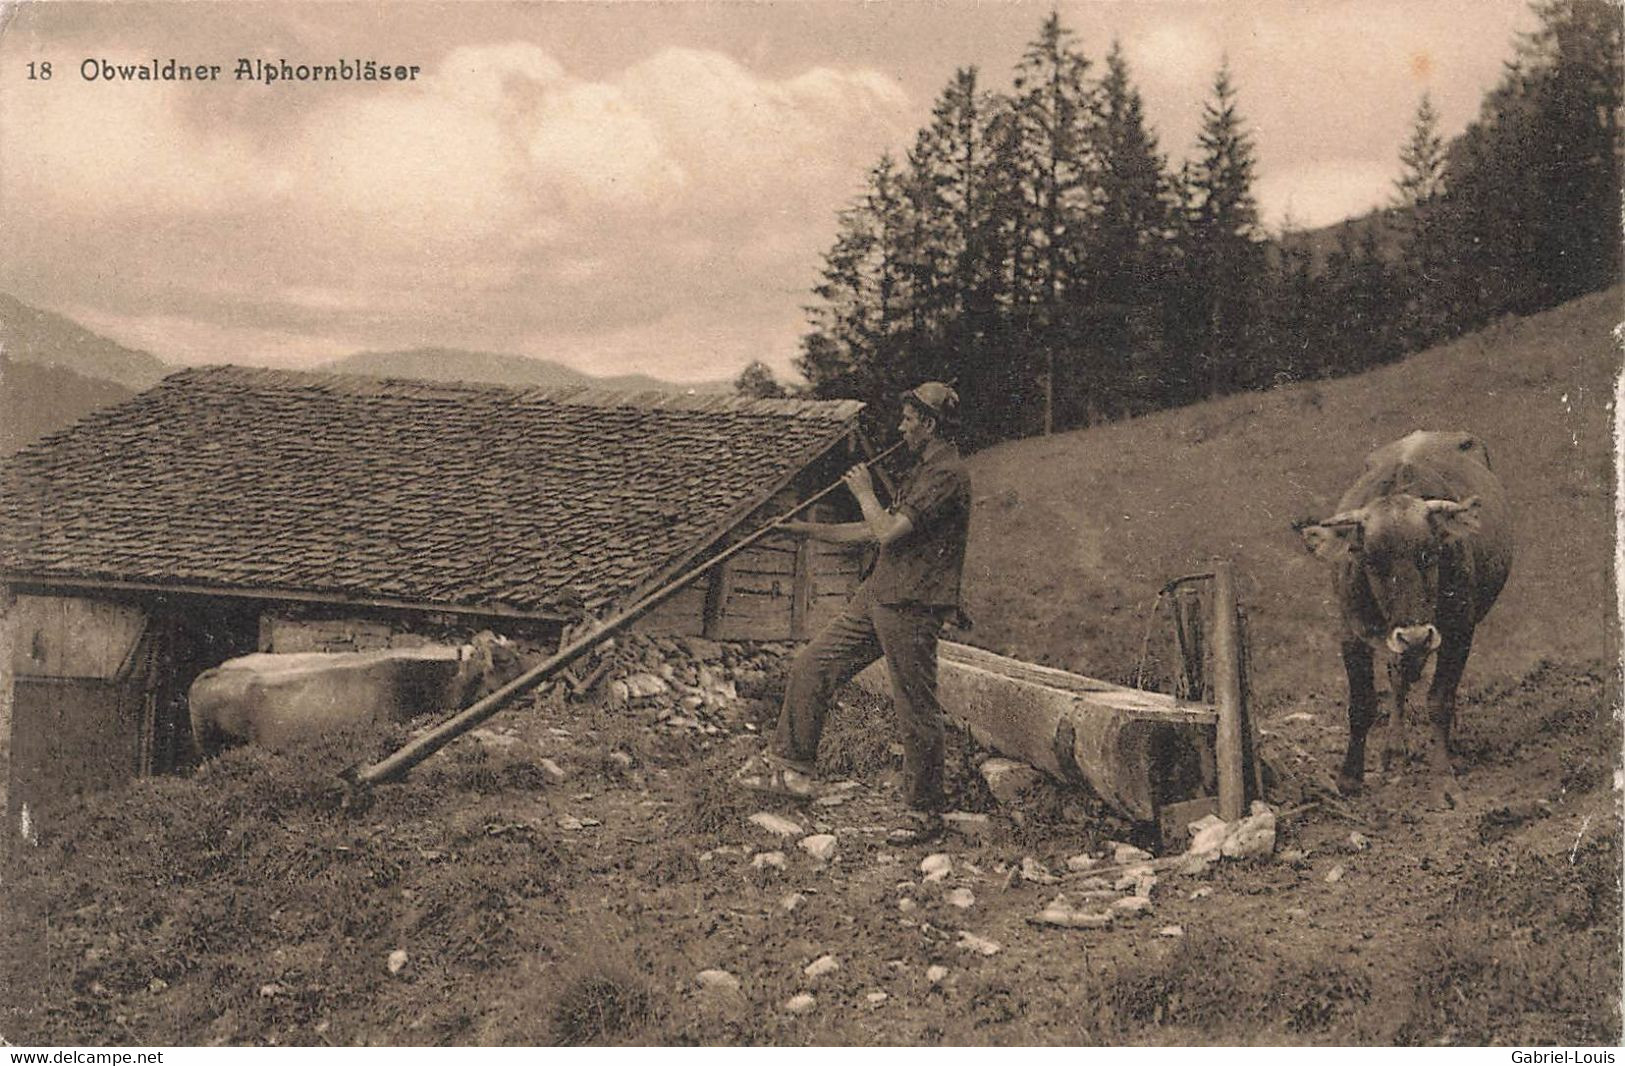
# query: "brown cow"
{"type": "Point", "coordinates": [1422, 545]}
{"type": "Point", "coordinates": [273, 699]}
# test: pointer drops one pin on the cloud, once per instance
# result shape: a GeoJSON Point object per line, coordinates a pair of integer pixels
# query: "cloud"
{"type": "Point", "coordinates": [654, 216]}
{"type": "Point", "coordinates": [397, 173]}
{"type": "Point", "coordinates": [495, 77]}
{"type": "Point", "coordinates": [1180, 57]}
{"type": "Point", "coordinates": [755, 135]}
{"type": "Point", "coordinates": [596, 148]}
{"type": "Point", "coordinates": [80, 149]}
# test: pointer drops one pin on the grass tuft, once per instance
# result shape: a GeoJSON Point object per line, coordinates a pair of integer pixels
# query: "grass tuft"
{"type": "Point", "coordinates": [601, 999]}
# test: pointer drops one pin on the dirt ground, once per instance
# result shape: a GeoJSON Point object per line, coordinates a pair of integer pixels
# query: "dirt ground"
{"type": "Point", "coordinates": [482, 902]}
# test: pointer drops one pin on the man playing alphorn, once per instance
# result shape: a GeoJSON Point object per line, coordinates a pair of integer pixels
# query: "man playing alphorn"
{"type": "Point", "coordinates": [896, 613]}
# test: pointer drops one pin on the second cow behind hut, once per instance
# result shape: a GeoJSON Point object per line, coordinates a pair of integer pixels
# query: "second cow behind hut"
{"type": "Point", "coordinates": [274, 700]}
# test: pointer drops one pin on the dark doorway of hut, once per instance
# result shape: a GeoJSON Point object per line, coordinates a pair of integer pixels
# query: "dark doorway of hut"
{"type": "Point", "coordinates": [190, 635]}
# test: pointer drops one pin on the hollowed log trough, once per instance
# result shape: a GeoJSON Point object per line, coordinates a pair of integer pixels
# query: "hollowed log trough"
{"type": "Point", "coordinates": [1151, 757]}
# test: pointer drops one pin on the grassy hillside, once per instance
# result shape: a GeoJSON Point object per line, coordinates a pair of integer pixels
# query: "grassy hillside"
{"type": "Point", "coordinates": [1072, 535]}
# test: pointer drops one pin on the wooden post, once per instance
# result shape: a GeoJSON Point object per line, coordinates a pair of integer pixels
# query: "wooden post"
{"type": "Point", "coordinates": [716, 601]}
{"type": "Point", "coordinates": [1228, 742]}
{"type": "Point", "coordinates": [1193, 683]}
{"type": "Point", "coordinates": [801, 590]}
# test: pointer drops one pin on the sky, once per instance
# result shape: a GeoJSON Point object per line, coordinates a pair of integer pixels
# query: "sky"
{"type": "Point", "coordinates": [622, 187]}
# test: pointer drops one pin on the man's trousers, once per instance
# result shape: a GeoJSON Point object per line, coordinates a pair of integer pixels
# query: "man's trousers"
{"type": "Point", "coordinates": [863, 632]}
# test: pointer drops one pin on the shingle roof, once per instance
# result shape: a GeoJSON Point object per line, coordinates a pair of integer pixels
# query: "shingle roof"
{"type": "Point", "coordinates": [537, 500]}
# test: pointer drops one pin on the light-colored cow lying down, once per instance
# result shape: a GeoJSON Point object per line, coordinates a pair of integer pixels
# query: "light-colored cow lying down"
{"type": "Point", "coordinates": [272, 699]}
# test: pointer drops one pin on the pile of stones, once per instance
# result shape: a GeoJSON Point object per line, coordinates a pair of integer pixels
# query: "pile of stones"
{"type": "Point", "coordinates": [689, 684]}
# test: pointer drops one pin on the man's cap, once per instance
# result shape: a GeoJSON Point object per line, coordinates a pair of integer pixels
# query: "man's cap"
{"type": "Point", "coordinates": [935, 398]}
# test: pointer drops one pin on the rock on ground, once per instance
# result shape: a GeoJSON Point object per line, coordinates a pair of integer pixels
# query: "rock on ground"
{"type": "Point", "coordinates": [775, 823]}
{"type": "Point", "coordinates": [803, 1003]}
{"type": "Point", "coordinates": [1060, 912]}
{"type": "Point", "coordinates": [968, 823]}
{"type": "Point", "coordinates": [979, 944]}
{"type": "Point", "coordinates": [820, 846]}
{"type": "Point", "coordinates": [1123, 854]}
{"type": "Point", "coordinates": [717, 980]}
{"type": "Point", "coordinates": [1207, 834]}
{"type": "Point", "coordinates": [1008, 780]}
{"type": "Point", "coordinates": [1129, 906]}
{"type": "Point", "coordinates": [824, 964]}
{"type": "Point", "coordinates": [1035, 871]}
{"type": "Point", "coordinates": [1254, 836]}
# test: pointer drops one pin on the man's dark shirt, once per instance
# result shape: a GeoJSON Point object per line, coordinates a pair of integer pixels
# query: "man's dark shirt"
{"type": "Point", "coordinates": [923, 566]}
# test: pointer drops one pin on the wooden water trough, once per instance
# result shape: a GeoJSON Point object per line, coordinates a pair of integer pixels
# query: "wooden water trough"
{"type": "Point", "coordinates": [1153, 757]}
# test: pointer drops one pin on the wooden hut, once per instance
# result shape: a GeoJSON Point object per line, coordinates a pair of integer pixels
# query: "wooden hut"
{"type": "Point", "coordinates": [228, 510]}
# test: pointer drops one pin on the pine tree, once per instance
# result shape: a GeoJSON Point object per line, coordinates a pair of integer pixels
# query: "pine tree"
{"type": "Point", "coordinates": [1007, 361]}
{"type": "Point", "coordinates": [1423, 159]}
{"type": "Point", "coordinates": [1292, 316]}
{"type": "Point", "coordinates": [1055, 108]}
{"type": "Point", "coordinates": [951, 160]}
{"type": "Point", "coordinates": [1226, 249]}
{"type": "Point", "coordinates": [1375, 296]}
{"type": "Point", "coordinates": [1127, 242]}
{"type": "Point", "coordinates": [840, 342]}
{"type": "Point", "coordinates": [1424, 258]}
{"type": "Point", "coordinates": [967, 201]}
{"type": "Point", "coordinates": [1577, 57]}
{"type": "Point", "coordinates": [1532, 188]}
{"type": "Point", "coordinates": [867, 306]}
{"type": "Point", "coordinates": [1340, 347]}
{"type": "Point", "coordinates": [1184, 303]}
{"type": "Point", "coordinates": [949, 168]}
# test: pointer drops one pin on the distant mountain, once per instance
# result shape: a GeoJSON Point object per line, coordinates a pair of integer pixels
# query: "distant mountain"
{"type": "Point", "coordinates": [29, 335]}
{"type": "Point", "coordinates": [523, 371]}
{"type": "Point", "coordinates": [1390, 224]}
{"type": "Point", "coordinates": [37, 399]}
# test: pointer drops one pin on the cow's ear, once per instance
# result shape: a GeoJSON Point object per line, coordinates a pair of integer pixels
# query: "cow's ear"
{"type": "Point", "coordinates": [1333, 539]}
{"type": "Point", "coordinates": [1450, 520]}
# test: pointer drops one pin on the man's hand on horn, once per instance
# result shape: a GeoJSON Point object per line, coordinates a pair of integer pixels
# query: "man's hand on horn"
{"type": "Point", "coordinates": [860, 481]}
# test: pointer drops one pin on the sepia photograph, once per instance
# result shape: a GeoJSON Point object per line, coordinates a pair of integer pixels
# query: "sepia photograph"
{"type": "Point", "coordinates": [807, 523]}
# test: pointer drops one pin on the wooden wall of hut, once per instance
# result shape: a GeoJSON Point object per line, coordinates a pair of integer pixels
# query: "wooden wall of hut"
{"type": "Point", "coordinates": [781, 588]}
